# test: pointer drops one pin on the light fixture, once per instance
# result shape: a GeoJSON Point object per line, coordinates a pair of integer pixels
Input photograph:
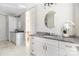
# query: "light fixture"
{"type": "Point", "coordinates": [48, 5]}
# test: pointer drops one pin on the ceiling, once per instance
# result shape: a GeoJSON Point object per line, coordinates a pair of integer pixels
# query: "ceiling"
{"type": "Point", "coordinates": [15, 9]}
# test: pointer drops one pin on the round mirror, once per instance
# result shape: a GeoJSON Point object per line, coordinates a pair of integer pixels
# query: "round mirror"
{"type": "Point", "coordinates": [49, 19]}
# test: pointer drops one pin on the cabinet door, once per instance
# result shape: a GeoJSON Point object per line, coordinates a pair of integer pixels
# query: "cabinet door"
{"type": "Point", "coordinates": [64, 52]}
{"type": "Point", "coordinates": [37, 47]}
{"type": "Point", "coordinates": [73, 52]}
{"type": "Point", "coordinates": [67, 49]}
{"type": "Point", "coordinates": [52, 49]}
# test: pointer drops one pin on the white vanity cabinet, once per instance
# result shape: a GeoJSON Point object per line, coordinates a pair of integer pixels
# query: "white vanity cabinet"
{"type": "Point", "coordinates": [68, 49]}
{"type": "Point", "coordinates": [37, 46]}
{"type": "Point", "coordinates": [52, 47]}
{"type": "Point", "coordinates": [43, 47]}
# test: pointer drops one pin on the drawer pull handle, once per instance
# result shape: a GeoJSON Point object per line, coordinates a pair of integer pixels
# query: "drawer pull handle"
{"type": "Point", "coordinates": [45, 47]}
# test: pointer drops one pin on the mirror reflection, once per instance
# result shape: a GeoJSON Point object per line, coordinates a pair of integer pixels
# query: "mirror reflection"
{"type": "Point", "coordinates": [49, 19]}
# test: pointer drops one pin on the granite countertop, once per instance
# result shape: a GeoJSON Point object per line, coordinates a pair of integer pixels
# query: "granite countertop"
{"type": "Point", "coordinates": [59, 38]}
{"type": "Point", "coordinates": [16, 31]}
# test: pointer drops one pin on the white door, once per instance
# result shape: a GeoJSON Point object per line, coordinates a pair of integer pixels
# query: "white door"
{"type": "Point", "coordinates": [3, 28]}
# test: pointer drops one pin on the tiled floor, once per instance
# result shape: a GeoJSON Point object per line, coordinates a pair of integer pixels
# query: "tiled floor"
{"type": "Point", "coordinates": [9, 49]}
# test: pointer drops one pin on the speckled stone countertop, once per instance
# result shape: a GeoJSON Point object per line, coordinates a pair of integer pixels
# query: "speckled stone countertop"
{"type": "Point", "coordinates": [16, 31]}
{"type": "Point", "coordinates": [73, 39]}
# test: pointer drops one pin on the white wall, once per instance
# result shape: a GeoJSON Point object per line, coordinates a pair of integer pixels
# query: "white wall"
{"type": "Point", "coordinates": [12, 23]}
{"type": "Point", "coordinates": [76, 7]}
{"type": "Point", "coordinates": [21, 22]}
{"type": "Point", "coordinates": [30, 20]}
{"type": "Point", "coordinates": [63, 11]}
{"type": "Point", "coordinates": [3, 28]}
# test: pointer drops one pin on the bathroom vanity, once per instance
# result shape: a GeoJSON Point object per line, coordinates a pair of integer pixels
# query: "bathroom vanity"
{"type": "Point", "coordinates": [53, 21]}
{"type": "Point", "coordinates": [54, 46]}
